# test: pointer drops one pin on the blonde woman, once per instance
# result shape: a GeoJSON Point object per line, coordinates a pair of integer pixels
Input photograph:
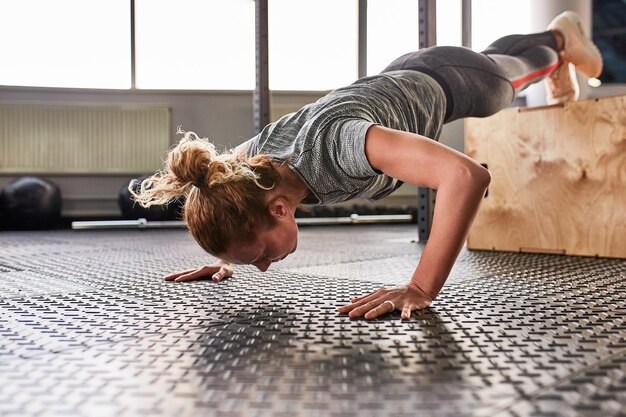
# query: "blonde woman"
{"type": "Point", "coordinates": [364, 141]}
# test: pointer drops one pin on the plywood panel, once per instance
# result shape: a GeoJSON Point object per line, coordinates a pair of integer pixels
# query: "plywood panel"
{"type": "Point", "coordinates": [558, 178]}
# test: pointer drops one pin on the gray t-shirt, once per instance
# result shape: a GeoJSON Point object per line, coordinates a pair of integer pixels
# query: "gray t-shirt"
{"type": "Point", "coordinates": [324, 142]}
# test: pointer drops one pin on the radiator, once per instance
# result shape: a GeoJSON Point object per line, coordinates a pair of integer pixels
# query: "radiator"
{"type": "Point", "coordinates": [60, 139]}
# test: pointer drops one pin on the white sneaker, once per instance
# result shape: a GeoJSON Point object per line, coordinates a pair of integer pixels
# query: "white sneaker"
{"type": "Point", "coordinates": [562, 84]}
{"type": "Point", "coordinates": [578, 49]}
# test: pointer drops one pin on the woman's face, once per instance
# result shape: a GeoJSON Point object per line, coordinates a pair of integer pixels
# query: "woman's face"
{"type": "Point", "coordinates": [271, 245]}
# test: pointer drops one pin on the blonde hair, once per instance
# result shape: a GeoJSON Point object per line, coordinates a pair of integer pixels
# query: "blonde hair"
{"type": "Point", "coordinates": [225, 194]}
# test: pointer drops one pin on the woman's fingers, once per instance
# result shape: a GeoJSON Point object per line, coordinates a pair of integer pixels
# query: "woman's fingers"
{"type": "Point", "coordinates": [216, 271]}
{"type": "Point", "coordinates": [377, 307]}
{"type": "Point", "coordinates": [359, 301]}
{"type": "Point", "coordinates": [362, 308]}
{"type": "Point", "coordinates": [385, 307]}
{"type": "Point", "coordinates": [406, 312]}
{"type": "Point", "coordinates": [387, 300]}
{"type": "Point", "coordinates": [193, 274]}
{"type": "Point", "coordinates": [222, 273]}
{"type": "Point", "coordinates": [350, 307]}
{"type": "Point", "coordinates": [175, 275]}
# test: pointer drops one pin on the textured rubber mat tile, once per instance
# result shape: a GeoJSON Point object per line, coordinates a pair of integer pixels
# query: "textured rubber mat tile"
{"type": "Point", "coordinates": [229, 369]}
{"type": "Point", "coordinates": [5, 266]}
{"type": "Point", "coordinates": [26, 283]}
{"type": "Point", "coordinates": [130, 379]}
{"type": "Point", "coordinates": [487, 261]}
{"type": "Point", "coordinates": [510, 334]}
{"type": "Point", "coordinates": [389, 270]}
{"type": "Point", "coordinates": [392, 270]}
{"type": "Point", "coordinates": [57, 322]}
{"type": "Point", "coordinates": [105, 268]}
{"type": "Point", "coordinates": [598, 390]}
{"type": "Point", "coordinates": [334, 245]}
{"type": "Point", "coordinates": [520, 361]}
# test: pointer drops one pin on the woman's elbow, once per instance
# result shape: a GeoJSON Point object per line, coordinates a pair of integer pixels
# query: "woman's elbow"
{"type": "Point", "coordinates": [483, 176]}
{"type": "Point", "coordinates": [474, 174]}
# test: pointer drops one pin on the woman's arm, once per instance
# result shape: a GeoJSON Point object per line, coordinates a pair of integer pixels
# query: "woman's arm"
{"type": "Point", "coordinates": [460, 183]}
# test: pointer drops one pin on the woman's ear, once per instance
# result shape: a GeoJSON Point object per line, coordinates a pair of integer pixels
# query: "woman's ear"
{"type": "Point", "coordinates": [278, 208]}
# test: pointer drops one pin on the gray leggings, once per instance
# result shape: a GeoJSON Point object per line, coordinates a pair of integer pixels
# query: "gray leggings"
{"type": "Point", "coordinates": [481, 84]}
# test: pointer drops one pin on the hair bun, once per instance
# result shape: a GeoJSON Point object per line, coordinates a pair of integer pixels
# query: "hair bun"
{"type": "Point", "coordinates": [189, 161]}
{"type": "Point", "coordinates": [194, 162]}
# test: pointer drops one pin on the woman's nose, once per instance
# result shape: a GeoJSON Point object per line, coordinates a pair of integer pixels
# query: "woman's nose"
{"type": "Point", "coordinates": [263, 266]}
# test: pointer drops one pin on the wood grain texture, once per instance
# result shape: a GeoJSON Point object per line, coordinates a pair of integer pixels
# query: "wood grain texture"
{"type": "Point", "coordinates": [558, 178]}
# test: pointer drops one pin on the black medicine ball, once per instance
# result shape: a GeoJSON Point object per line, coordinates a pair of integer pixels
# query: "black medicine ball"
{"type": "Point", "coordinates": [31, 203]}
{"type": "Point", "coordinates": [132, 210]}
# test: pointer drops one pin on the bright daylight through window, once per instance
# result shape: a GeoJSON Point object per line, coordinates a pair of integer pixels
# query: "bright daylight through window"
{"type": "Point", "coordinates": [209, 44]}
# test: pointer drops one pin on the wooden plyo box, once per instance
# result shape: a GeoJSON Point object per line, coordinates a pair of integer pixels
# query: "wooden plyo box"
{"type": "Point", "coordinates": [558, 179]}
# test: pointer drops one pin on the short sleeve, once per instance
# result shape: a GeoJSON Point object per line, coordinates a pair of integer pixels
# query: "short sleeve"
{"type": "Point", "coordinates": [350, 147]}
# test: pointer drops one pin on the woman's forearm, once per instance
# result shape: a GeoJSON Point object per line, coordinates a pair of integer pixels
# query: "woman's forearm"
{"type": "Point", "coordinates": [458, 200]}
{"type": "Point", "coordinates": [460, 182]}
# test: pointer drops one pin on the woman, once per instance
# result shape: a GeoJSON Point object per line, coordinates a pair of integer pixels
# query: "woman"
{"type": "Point", "coordinates": [365, 140]}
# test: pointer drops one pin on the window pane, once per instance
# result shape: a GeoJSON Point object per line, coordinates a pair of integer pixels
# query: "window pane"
{"type": "Point", "coordinates": [392, 30]}
{"type": "Point", "coordinates": [491, 19]}
{"type": "Point", "coordinates": [195, 44]}
{"type": "Point", "coordinates": [449, 22]}
{"type": "Point", "coordinates": [65, 43]}
{"type": "Point", "coordinates": [312, 44]}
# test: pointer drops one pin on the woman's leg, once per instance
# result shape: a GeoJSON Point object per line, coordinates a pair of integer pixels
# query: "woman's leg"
{"type": "Point", "coordinates": [481, 84]}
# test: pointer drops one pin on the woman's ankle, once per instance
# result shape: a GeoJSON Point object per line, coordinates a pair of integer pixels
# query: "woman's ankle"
{"type": "Point", "coordinates": [560, 40]}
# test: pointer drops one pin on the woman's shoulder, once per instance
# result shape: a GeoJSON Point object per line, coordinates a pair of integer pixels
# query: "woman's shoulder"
{"type": "Point", "coordinates": [241, 150]}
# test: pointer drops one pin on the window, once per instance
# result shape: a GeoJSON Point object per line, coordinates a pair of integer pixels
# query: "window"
{"type": "Point", "coordinates": [65, 43]}
{"type": "Point", "coordinates": [392, 30]}
{"type": "Point", "coordinates": [195, 44]}
{"type": "Point", "coordinates": [449, 22]}
{"type": "Point", "coordinates": [491, 19]}
{"type": "Point", "coordinates": [312, 44]}
{"type": "Point", "coordinates": [609, 33]}
{"type": "Point", "coordinates": [209, 44]}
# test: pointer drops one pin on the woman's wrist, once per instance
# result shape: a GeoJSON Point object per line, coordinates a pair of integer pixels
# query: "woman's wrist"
{"type": "Point", "coordinates": [430, 296]}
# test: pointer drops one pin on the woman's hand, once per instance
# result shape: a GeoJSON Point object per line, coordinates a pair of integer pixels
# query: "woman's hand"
{"type": "Point", "coordinates": [216, 271]}
{"type": "Point", "coordinates": [406, 299]}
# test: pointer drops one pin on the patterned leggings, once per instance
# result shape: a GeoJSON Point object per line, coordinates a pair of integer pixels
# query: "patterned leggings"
{"type": "Point", "coordinates": [481, 84]}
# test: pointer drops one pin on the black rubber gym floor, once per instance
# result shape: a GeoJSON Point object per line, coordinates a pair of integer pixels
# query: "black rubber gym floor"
{"type": "Point", "coordinates": [88, 327]}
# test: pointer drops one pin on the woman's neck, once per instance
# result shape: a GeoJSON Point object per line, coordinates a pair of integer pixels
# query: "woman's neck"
{"type": "Point", "coordinates": [291, 185]}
